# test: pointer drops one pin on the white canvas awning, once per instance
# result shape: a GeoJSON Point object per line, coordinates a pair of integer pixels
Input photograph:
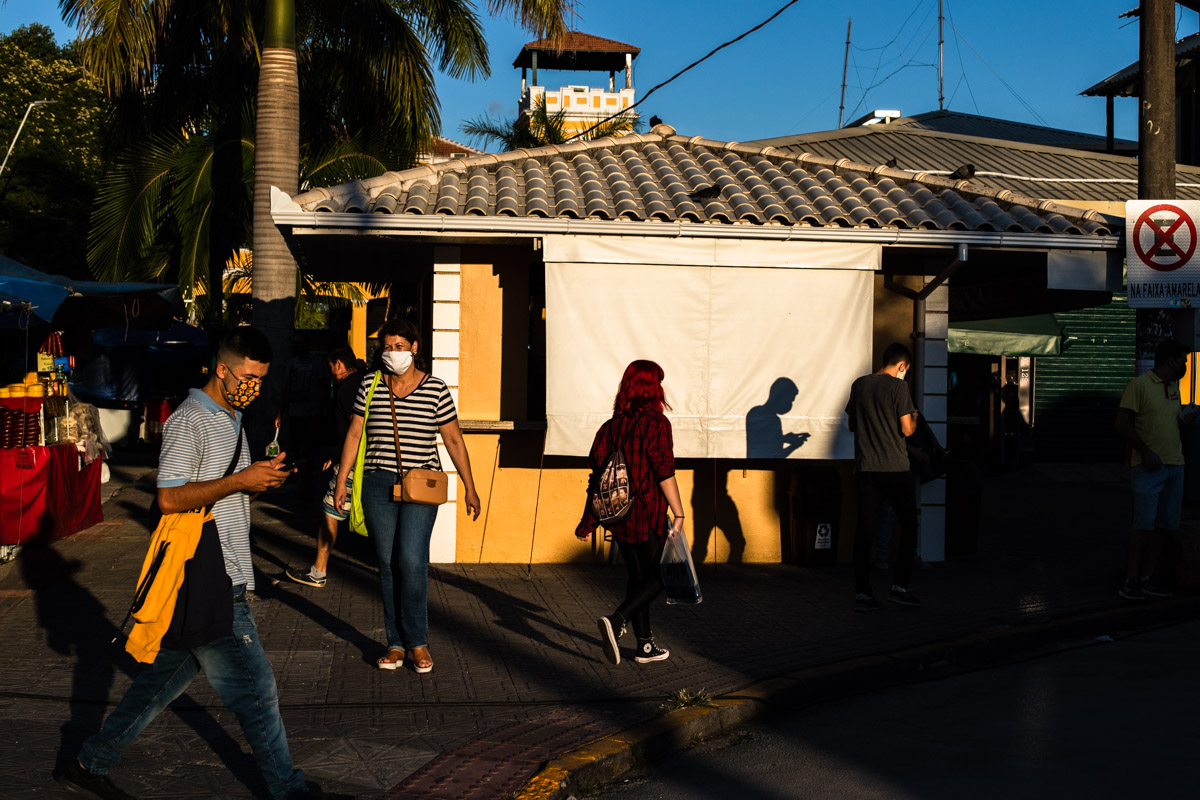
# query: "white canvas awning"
{"type": "Point", "coordinates": [759, 341]}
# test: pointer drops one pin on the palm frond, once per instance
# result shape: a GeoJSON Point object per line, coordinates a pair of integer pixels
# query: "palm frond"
{"type": "Point", "coordinates": [118, 40]}
{"type": "Point", "coordinates": [544, 18]}
{"type": "Point", "coordinates": [127, 215]}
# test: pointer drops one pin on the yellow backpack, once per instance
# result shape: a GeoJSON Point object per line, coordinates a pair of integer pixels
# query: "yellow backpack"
{"type": "Point", "coordinates": [173, 544]}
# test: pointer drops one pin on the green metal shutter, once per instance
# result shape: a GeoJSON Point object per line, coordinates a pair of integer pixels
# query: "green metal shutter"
{"type": "Point", "coordinates": [1076, 393]}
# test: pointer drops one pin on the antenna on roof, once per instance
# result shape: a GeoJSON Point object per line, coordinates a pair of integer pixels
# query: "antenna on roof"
{"type": "Point", "coordinates": [573, 15]}
{"type": "Point", "coordinates": [845, 61]}
{"type": "Point", "coordinates": [941, 59]}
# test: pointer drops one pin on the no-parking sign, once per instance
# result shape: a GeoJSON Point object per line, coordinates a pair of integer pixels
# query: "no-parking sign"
{"type": "Point", "coordinates": [1161, 257]}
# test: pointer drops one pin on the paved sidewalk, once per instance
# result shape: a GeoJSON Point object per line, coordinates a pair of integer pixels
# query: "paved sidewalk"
{"type": "Point", "coordinates": [519, 678]}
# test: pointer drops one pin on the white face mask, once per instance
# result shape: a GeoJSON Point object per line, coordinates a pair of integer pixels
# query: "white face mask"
{"type": "Point", "coordinates": [397, 362]}
{"type": "Point", "coordinates": [901, 374]}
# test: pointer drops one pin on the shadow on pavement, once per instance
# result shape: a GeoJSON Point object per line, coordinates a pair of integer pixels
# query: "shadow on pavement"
{"type": "Point", "coordinates": [76, 624]}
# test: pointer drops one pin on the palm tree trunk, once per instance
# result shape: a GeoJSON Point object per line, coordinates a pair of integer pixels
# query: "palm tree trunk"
{"type": "Point", "coordinates": [276, 163]}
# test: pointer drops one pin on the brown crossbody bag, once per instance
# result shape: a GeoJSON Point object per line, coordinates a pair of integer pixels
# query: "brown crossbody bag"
{"type": "Point", "coordinates": [425, 486]}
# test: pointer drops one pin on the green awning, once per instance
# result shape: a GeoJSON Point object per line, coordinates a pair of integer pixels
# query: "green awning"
{"type": "Point", "coordinates": [1039, 335]}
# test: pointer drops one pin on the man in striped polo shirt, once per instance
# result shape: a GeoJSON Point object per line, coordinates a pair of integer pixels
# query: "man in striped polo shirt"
{"type": "Point", "coordinates": [199, 442]}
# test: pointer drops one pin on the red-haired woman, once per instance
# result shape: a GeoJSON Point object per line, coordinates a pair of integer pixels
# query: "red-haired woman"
{"type": "Point", "coordinates": [644, 435]}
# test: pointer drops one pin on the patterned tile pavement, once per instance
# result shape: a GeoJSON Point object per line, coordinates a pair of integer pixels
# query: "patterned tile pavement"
{"type": "Point", "coordinates": [519, 675]}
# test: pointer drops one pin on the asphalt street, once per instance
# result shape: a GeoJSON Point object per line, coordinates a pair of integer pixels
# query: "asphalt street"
{"type": "Point", "coordinates": [1092, 719]}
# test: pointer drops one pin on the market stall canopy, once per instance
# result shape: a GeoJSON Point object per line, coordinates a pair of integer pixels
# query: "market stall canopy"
{"type": "Point", "coordinates": [1039, 335]}
{"type": "Point", "coordinates": [29, 296]}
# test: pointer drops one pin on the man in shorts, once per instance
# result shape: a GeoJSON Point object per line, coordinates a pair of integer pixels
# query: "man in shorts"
{"type": "Point", "coordinates": [347, 376]}
{"type": "Point", "coordinates": [1148, 420]}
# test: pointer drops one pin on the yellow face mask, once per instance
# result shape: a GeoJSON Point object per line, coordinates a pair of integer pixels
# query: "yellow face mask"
{"type": "Point", "coordinates": [244, 393]}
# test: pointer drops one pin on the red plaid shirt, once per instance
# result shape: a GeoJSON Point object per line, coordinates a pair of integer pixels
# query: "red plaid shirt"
{"type": "Point", "coordinates": [649, 454]}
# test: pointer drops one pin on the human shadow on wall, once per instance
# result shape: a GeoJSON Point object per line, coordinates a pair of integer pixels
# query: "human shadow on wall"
{"type": "Point", "coordinates": [76, 623]}
{"type": "Point", "coordinates": [764, 430]}
{"type": "Point", "coordinates": [713, 508]}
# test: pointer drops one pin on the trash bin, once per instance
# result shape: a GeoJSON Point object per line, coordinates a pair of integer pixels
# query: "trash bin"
{"type": "Point", "coordinates": [815, 518]}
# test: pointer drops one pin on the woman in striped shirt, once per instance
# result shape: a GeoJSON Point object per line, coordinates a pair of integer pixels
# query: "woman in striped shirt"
{"type": "Point", "coordinates": [401, 531]}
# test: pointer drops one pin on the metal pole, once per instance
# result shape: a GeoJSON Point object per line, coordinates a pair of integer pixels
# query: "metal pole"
{"type": "Point", "coordinates": [845, 62]}
{"type": "Point", "coordinates": [19, 127]}
{"type": "Point", "coordinates": [941, 59]}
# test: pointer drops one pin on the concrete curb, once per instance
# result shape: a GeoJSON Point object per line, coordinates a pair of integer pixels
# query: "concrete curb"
{"type": "Point", "coordinates": [605, 760]}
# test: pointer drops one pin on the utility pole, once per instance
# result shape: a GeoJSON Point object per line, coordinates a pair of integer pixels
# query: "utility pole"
{"type": "Point", "coordinates": [1156, 132]}
{"type": "Point", "coordinates": [941, 60]}
{"type": "Point", "coordinates": [845, 62]}
{"type": "Point", "coordinates": [1156, 148]}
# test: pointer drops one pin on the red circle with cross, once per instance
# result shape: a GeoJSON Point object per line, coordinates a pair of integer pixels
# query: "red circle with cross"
{"type": "Point", "coordinates": [1164, 238]}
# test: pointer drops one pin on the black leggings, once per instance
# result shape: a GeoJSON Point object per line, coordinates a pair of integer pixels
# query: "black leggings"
{"type": "Point", "coordinates": [645, 582]}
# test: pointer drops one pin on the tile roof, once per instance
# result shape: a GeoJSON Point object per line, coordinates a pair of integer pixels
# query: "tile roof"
{"type": "Point", "coordinates": [577, 50]}
{"type": "Point", "coordinates": [577, 40]}
{"type": "Point", "coordinates": [661, 176]}
{"type": "Point", "coordinates": [947, 121]}
{"type": "Point", "coordinates": [1032, 170]}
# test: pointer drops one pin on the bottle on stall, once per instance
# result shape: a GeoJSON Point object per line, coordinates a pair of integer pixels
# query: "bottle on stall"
{"type": "Point", "coordinates": [273, 447]}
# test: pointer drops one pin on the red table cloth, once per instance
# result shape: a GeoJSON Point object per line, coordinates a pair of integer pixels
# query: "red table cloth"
{"type": "Point", "coordinates": [30, 405]}
{"type": "Point", "coordinates": [45, 494]}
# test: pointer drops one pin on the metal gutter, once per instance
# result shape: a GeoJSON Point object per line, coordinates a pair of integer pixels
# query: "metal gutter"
{"type": "Point", "coordinates": [317, 222]}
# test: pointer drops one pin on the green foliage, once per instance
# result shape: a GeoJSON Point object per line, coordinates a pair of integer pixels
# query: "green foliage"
{"type": "Point", "coordinates": [685, 699]}
{"type": "Point", "coordinates": [50, 179]}
{"type": "Point", "coordinates": [155, 208]}
{"type": "Point", "coordinates": [540, 128]}
{"type": "Point", "coordinates": [182, 79]}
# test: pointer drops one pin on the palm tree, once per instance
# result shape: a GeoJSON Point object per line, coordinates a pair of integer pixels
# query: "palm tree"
{"type": "Point", "coordinates": [542, 128]}
{"type": "Point", "coordinates": [156, 206]}
{"type": "Point", "coordinates": [462, 52]}
{"type": "Point", "coordinates": [184, 68]}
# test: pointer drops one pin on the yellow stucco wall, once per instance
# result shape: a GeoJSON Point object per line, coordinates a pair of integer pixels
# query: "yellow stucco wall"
{"type": "Point", "coordinates": [736, 510]}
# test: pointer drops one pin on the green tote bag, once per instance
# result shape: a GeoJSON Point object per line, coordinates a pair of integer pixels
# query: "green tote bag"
{"type": "Point", "coordinates": [358, 522]}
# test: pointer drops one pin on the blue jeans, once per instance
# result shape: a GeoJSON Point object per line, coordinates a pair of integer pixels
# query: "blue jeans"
{"type": "Point", "coordinates": [401, 533]}
{"type": "Point", "coordinates": [238, 669]}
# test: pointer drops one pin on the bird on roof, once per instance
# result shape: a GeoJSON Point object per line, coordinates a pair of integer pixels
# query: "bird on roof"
{"type": "Point", "coordinates": [891, 162]}
{"type": "Point", "coordinates": [964, 173]}
{"type": "Point", "coordinates": [655, 120]}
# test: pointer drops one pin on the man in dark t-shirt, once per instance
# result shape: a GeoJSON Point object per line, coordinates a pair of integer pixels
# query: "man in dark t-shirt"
{"type": "Point", "coordinates": [881, 415]}
{"type": "Point", "coordinates": [347, 375]}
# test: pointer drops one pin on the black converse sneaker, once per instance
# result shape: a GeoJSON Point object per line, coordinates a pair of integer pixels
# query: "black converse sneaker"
{"type": "Point", "coordinates": [648, 651]}
{"type": "Point", "coordinates": [610, 632]}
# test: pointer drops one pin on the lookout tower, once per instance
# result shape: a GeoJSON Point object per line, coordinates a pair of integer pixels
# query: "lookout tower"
{"type": "Point", "coordinates": [584, 106]}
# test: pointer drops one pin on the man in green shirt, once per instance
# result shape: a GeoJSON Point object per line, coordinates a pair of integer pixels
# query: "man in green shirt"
{"type": "Point", "coordinates": [1148, 420]}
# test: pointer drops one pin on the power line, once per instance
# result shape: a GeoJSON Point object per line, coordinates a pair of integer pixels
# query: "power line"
{"type": "Point", "coordinates": [962, 66]}
{"type": "Point", "coordinates": [710, 54]}
{"type": "Point", "coordinates": [879, 64]}
{"type": "Point", "coordinates": [1003, 82]}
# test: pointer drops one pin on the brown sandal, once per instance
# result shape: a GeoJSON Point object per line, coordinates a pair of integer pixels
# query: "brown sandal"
{"type": "Point", "coordinates": [422, 664]}
{"type": "Point", "coordinates": [387, 662]}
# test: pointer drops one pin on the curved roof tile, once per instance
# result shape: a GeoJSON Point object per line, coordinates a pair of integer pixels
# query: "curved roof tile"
{"type": "Point", "coordinates": [661, 176]}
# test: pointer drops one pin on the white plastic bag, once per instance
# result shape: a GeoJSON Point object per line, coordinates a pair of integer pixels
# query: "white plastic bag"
{"type": "Point", "coordinates": [678, 572]}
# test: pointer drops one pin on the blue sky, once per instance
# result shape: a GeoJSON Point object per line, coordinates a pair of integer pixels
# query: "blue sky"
{"type": "Point", "coordinates": [1020, 60]}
